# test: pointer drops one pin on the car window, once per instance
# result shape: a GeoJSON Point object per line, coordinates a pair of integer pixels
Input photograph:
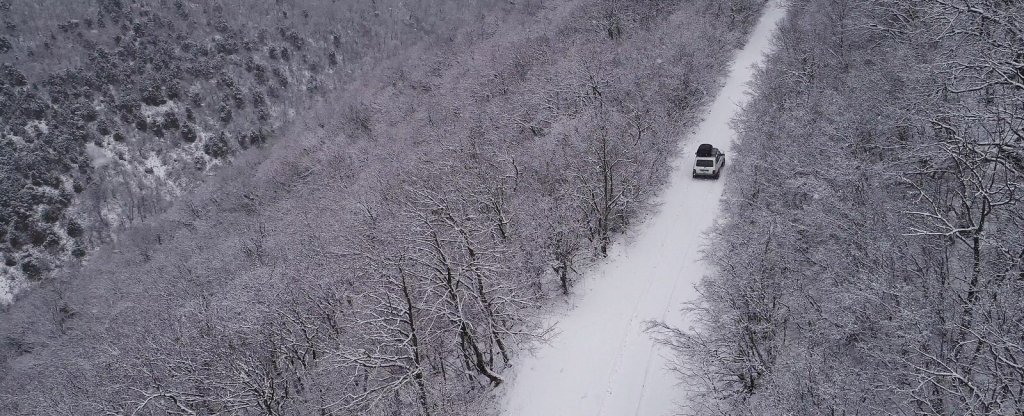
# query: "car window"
{"type": "Point", "coordinates": [705, 163]}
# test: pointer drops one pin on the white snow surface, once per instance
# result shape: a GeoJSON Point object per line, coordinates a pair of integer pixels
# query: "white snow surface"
{"type": "Point", "coordinates": [600, 361]}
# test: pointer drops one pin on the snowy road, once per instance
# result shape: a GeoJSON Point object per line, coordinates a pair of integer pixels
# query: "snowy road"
{"type": "Point", "coordinates": [601, 362]}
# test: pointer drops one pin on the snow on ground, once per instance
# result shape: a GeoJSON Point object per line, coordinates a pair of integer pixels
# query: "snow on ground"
{"type": "Point", "coordinates": [100, 156]}
{"type": "Point", "coordinates": [154, 163]}
{"type": "Point", "coordinates": [600, 361]}
{"type": "Point", "coordinates": [7, 286]}
{"type": "Point", "coordinates": [160, 110]}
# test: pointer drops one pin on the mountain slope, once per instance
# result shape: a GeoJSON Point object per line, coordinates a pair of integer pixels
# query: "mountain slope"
{"type": "Point", "coordinates": [109, 110]}
{"type": "Point", "coordinates": [387, 252]}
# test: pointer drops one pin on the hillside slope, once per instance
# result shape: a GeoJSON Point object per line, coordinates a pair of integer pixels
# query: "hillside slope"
{"type": "Point", "coordinates": [388, 251]}
{"type": "Point", "coordinates": [111, 109]}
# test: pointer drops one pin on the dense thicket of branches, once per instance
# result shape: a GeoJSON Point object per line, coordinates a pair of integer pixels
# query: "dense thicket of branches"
{"type": "Point", "coordinates": [387, 258]}
{"type": "Point", "coordinates": [870, 259]}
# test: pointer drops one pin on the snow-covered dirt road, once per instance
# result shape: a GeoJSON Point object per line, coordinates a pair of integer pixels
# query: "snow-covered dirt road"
{"type": "Point", "coordinates": [601, 362]}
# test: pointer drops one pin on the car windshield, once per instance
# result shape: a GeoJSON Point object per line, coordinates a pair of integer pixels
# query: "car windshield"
{"type": "Point", "coordinates": [705, 163]}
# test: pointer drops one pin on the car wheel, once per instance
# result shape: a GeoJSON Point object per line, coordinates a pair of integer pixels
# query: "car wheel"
{"type": "Point", "coordinates": [717, 173]}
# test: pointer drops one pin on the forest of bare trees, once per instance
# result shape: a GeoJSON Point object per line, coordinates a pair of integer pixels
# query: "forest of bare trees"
{"type": "Point", "coordinates": [111, 109]}
{"type": "Point", "coordinates": [386, 252]}
{"type": "Point", "coordinates": [873, 220]}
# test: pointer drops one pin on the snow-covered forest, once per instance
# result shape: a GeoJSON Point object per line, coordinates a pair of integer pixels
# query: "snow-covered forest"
{"type": "Point", "coordinates": [347, 208]}
{"type": "Point", "coordinates": [382, 207]}
{"type": "Point", "coordinates": [869, 255]}
{"type": "Point", "coordinates": [110, 110]}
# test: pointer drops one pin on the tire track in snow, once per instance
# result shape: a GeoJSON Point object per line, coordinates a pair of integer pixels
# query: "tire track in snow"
{"type": "Point", "coordinates": [616, 369]}
{"type": "Point", "coordinates": [664, 316]}
{"type": "Point", "coordinates": [601, 361]}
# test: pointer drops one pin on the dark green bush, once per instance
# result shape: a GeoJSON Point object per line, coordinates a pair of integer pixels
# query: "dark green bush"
{"type": "Point", "coordinates": [103, 127]}
{"type": "Point", "coordinates": [153, 95]}
{"type": "Point", "coordinates": [78, 251]}
{"type": "Point", "coordinates": [171, 121]}
{"type": "Point", "coordinates": [32, 268]}
{"type": "Point", "coordinates": [51, 215]}
{"type": "Point", "coordinates": [224, 112]}
{"type": "Point", "coordinates": [74, 229]}
{"type": "Point", "coordinates": [37, 236]}
{"type": "Point", "coordinates": [217, 146]}
{"type": "Point", "coordinates": [188, 133]}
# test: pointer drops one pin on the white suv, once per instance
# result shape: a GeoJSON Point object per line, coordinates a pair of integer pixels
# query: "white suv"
{"type": "Point", "coordinates": [709, 161]}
